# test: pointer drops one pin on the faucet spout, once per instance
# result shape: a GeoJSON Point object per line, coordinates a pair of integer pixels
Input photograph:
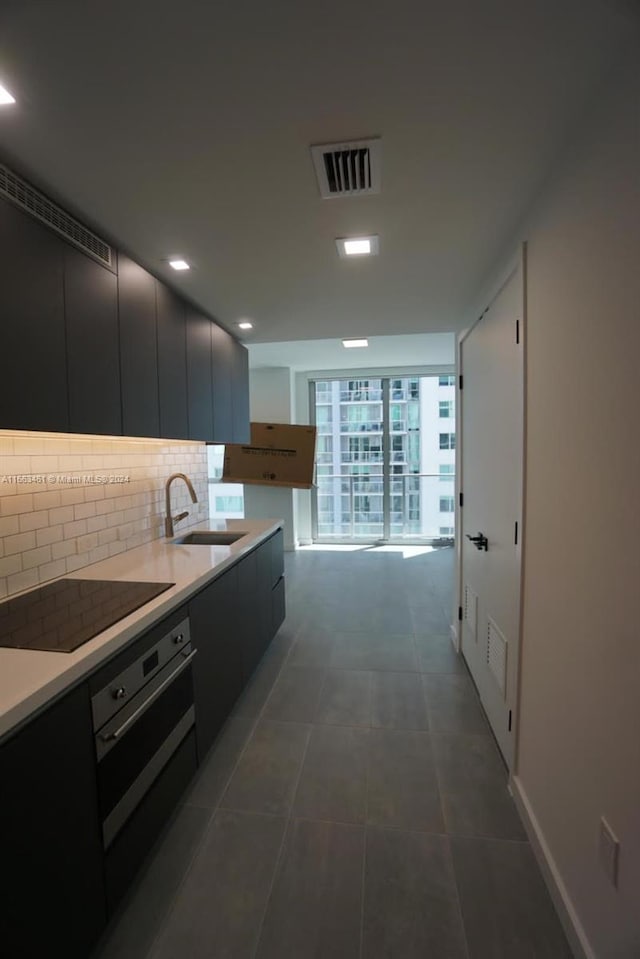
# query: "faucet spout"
{"type": "Point", "coordinates": [169, 519]}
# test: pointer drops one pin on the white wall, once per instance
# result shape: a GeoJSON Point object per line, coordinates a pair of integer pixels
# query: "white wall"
{"type": "Point", "coordinates": [579, 747]}
{"type": "Point", "coordinates": [271, 400]}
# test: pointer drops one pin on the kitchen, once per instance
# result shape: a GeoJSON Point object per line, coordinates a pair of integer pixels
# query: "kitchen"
{"type": "Point", "coordinates": [539, 115]}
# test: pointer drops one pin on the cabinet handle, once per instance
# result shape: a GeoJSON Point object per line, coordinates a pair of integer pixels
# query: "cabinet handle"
{"type": "Point", "coordinates": [142, 708]}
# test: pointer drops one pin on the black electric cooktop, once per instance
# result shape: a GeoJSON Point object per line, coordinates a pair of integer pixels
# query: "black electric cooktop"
{"type": "Point", "coordinates": [63, 615]}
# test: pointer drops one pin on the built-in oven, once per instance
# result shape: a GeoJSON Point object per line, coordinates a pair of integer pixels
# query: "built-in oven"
{"type": "Point", "coordinates": [143, 720]}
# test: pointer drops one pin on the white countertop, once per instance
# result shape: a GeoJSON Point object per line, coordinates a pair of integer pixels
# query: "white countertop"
{"type": "Point", "coordinates": [29, 679]}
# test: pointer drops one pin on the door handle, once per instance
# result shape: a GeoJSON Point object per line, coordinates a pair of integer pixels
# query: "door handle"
{"type": "Point", "coordinates": [480, 540]}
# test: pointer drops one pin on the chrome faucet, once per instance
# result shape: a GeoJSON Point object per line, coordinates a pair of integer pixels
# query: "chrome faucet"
{"type": "Point", "coordinates": [169, 519]}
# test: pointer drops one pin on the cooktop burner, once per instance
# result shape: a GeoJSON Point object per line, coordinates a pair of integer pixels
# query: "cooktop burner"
{"type": "Point", "coordinates": [63, 615]}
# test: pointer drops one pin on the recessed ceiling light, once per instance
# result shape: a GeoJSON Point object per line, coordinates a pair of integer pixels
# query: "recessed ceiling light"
{"type": "Point", "coordinates": [357, 246]}
{"type": "Point", "coordinates": [353, 344]}
{"type": "Point", "coordinates": [245, 325]}
{"type": "Point", "coordinates": [5, 96]}
{"type": "Point", "coordinates": [178, 264]}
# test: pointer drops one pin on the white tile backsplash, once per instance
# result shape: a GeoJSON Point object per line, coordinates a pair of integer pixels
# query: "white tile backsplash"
{"type": "Point", "coordinates": [63, 507]}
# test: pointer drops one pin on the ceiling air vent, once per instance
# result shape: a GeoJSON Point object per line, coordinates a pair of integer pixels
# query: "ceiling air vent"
{"type": "Point", "coordinates": [347, 169]}
{"type": "Point", "coordinates": [32, 201]}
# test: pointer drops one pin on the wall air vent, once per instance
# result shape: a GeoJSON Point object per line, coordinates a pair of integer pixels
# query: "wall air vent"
{"type": "Point", "coordinates": [347, 169]}
{"type": "Point", "coordinates": [32, 201]}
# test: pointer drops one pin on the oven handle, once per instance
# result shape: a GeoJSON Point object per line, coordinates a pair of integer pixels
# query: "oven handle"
{"type": "Point", "coordinates": [142, 708]}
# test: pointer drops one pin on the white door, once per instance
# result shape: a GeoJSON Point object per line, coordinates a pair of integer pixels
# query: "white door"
{"type": "Point", "coordinates": [491, 483]}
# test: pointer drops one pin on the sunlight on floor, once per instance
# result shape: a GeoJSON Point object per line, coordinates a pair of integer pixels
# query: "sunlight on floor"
{"type": "Point", "coordinates": [408, 552]}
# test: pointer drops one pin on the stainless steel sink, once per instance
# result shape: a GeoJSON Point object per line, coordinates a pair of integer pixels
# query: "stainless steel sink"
{"type": "Point", "coordinates": [210, 537]}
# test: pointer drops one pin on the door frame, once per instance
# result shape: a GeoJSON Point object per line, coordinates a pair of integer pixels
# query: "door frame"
{"type": "Point", "coordinates": [518, 260]}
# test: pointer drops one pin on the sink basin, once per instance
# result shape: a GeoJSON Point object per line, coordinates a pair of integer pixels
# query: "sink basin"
{"type": "Point", "coordinates": [210, 537]}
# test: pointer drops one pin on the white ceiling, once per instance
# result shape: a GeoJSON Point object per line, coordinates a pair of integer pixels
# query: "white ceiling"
{"type": "Point", "coordinates": [384, 352]}
{"type": "Point", "coordinates": [185, 128]}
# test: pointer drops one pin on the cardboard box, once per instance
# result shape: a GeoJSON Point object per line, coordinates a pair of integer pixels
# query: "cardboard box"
{"type": "Point", "coordinates": [279, 455]}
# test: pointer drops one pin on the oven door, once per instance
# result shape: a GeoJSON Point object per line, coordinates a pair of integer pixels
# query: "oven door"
{"type": "Point", "coordinates": [134, 747]}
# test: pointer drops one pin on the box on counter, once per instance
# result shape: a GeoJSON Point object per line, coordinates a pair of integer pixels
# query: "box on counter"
{"type": "Point", "coordinates": [279, 454]}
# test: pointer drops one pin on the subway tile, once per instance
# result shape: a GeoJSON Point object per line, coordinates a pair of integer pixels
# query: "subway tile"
{"type": "Point", "coordinates": [77, 562]}
{"type": "Point", "coordinates": [11, 564]}
{"type": "Point", "coordinates": [3, 588]}
{"type": "Point", "coordinates": [107, 536]}
{"type": "Point", "coordinates": [44, 464]}
{"type": "Point", "coordinates": [77, 528]}
{"type": "Point", "coordinates": [95, 524]}
{"type": "Point", "coordinates": [83, 510]}
{"type": "Point", "coordinates": [48, 535]}
{"type": "Point", "coordinates": [87, 543]}
{"type": "Point", "coordinates": [47, 500]}
{"type": "Point", "coordinates": [23, 580]}
{"type": "Point", "coordinates": [10, 505]}
{"type": "Point", "coordinates": [62, 514]}
{"type": "Point", "coordinates": [9, 525]}
{"type": "Point", "coordinates": [52, 570]}
{"type": "Point", "coordinates": [36, 557]}
{"type": "Point", "coordinates": [35, 520]}
{"type": "Point", "coordinates": [71, 496]}
{"type": "Point", "coordinates": [98, 554]}
{"type": "Point", "coordinates": [64, 548]}
{"type": "Point", "coordinates": [19, 543]}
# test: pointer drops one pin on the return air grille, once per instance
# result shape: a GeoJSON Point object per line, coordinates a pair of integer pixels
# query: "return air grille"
{"type": "Point", "coordinates": [32, 201]}
{"type": "Point", "coordinates": [347, 169]}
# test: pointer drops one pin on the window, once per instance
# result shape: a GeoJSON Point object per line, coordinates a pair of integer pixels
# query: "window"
{"type": "Point", "coordinates": [446, 504]}
{"type": "Point", "coordinates": [445, 409]}
{"type": "Point", "coordinates": [447, 380]}
{"type": "Point", "coordinates": [447, 472]}
{"type": "Point", "coordinates": [447, 441]}
{"type": "Point", "coordinates": [229, 504]}
{"type": "Point", "coordinates": [447, 531]}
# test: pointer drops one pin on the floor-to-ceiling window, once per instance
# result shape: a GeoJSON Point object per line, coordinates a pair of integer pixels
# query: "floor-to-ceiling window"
{"type": "Point", "coordinates": [385, 458]}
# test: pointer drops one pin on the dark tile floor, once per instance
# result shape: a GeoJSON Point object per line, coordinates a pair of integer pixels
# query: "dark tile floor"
{"type": "Point", "coordinates": [355, 805]}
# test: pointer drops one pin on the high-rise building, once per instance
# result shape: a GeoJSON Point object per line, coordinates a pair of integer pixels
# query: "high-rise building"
{"type": "Point", "coordinates": [418, 430]}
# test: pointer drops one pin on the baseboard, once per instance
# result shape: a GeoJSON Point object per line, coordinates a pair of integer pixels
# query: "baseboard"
{"type": "Point", "coordinates": [567, 914]}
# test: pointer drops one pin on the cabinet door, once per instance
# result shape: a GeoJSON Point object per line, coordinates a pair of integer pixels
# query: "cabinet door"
{"type": "Point", "coordinates": [222, 359]}
{"type": "Point", "coordinates": [138, 350]}
{"type": "Point", "coordinates": [217, 672]}
{"type": "Point", "coordinates": [240, 393]}
{"type": "Point", "coordinates": [249, 626]}
{"type": "Point", "coordinates": [33, 365]}
{"type": "Point", "coordinates": [93, 353]}
{"type": "Point", "coordinates": [199, 376]}
{"type": "Point", "coordinates": [51, 883]}
{"type": "Point", "coordinates": [172, 364]}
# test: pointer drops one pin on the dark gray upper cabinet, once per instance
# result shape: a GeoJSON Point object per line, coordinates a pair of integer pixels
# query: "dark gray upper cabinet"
{"type": "Point", "coordinates": [93, 356]}
{"type": "Point", "coordinates": [33, 367]}
{"type": "Point", "coordinates": [172, 364]}
{"type": "Point", "coordinates": [199, 376]}
{"type": "Point", "coordinates": [240, 377]}
{"type": "Point", "coordinates": [222, 359]}
{"type": "Point", "coordinates": [138, 350]}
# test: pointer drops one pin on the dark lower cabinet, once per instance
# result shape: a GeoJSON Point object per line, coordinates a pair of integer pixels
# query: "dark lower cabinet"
{"type": "Point", "coordinates": [58, 884]}
{"type": "Point", "coordinates": [261, 609]}
{"type": "Point", "coordinates": [52, 897]}
{"type": "Point", "coordinates": [217, 668]}
{"type": "Point", "coordinates": [93, 352]}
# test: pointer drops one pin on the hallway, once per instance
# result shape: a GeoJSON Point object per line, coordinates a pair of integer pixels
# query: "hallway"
{"type": "Point", "coordinates": [355, 805]}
